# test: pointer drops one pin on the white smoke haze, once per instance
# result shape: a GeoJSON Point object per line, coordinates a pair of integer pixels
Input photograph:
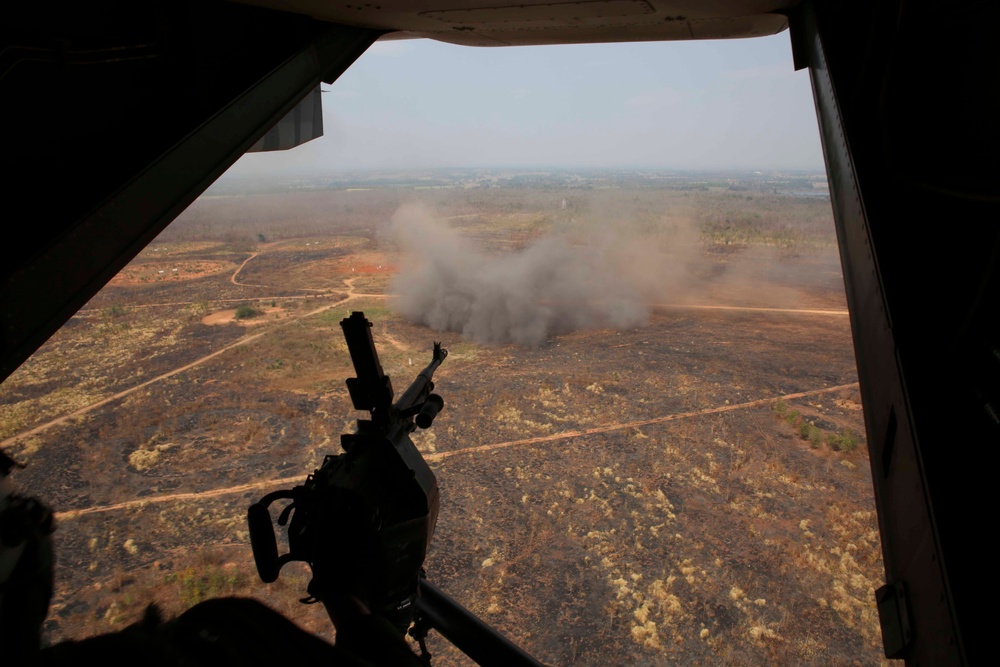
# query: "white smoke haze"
{"type": "Point", "coordinates": [606, 268]}
{"type": "Point", "coordinates": [525, 297]}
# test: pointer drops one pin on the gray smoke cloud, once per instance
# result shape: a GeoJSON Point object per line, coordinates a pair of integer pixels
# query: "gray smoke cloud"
{"type": "Point", "coordinates": [549, 287]}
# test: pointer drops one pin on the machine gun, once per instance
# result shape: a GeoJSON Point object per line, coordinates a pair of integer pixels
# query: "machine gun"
{"type": "Point", "coordinates": [364, 520]}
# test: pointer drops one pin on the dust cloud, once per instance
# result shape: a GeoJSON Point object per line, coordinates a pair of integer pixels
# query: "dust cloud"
{"type": "Point", "coordinates": [608, 267]}
{"type": "Point", "coordinates": [549, 287]}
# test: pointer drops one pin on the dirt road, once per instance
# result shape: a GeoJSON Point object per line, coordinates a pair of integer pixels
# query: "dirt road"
{"type": "Point", "coordinates": [351, 295]}
{"type": "Point", "coordinates": [750, 309]}
{"type": "Point", "coordinates": [565, 435]}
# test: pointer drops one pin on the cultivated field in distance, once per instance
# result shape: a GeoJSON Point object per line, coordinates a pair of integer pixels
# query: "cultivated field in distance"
{"type": "Point", "coordinates": [652, 446]}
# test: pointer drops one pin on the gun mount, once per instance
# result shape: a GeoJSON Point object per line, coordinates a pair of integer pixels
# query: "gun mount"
{"type": "Point", "coordinates": [364, 520]}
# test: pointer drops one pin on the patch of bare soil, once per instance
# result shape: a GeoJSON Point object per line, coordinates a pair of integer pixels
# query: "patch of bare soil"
{"type": "Point", "coordinates": [267, 315]}
{"type": "Point", "coordinates": [160, 250]}
{"type": "Point", "coordinates": [146, 272]}
{"type": "Point", "coordinates": [359, 263]}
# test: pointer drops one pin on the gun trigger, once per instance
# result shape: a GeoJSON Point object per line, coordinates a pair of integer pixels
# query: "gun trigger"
{"type": "Point", "coordinates": [285, 513]}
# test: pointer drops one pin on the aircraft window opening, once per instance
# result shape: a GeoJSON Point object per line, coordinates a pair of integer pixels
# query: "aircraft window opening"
{"type": "Point", "coordinates": [652, 445]}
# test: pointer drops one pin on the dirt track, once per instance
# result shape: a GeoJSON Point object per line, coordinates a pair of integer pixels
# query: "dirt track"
{"type": "Point", "coordinates": [565, 435]}
{"type": "Point", "coordinates": [351, 295]}
{"type": "Point", "coordinates": [233, 280]}
{"type": "Point", "coordinates": [750, 309]}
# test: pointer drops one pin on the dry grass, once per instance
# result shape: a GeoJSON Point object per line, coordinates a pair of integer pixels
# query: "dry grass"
{"type": "Point", "coordinates": [714, 539]}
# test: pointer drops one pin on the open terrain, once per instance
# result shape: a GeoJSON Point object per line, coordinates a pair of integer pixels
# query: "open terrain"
{"type": "Point", "coordinates": [690, 488]}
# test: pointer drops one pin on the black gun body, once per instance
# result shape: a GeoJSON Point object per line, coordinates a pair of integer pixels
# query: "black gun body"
{"type": "Point", "coordinates": [364, 520]}
{"type": "Point", "coordinates": [375, 515]}
{"type": "Point", "coordinates": [413, 491]}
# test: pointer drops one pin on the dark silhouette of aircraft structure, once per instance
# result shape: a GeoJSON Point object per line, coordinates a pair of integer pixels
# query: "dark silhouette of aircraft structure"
{"type": "Point", "coordinates": [117, 115]}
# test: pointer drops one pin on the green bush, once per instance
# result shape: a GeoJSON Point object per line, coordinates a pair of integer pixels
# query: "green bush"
{"type": "Point", "coordinates": [244, 312]}
{"type": "Point", "coordinates": [781, 407]}
{"type": "Point", "coordinates": [811, 432]}
{"type": "Point", "coordinates": [117, 310]}
{"type": "Point", "coordinates": [196, 586]}
{"type": "Point", "coordinates": [845, 441]}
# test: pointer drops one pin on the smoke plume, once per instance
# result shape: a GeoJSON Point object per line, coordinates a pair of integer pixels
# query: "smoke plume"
{"type": "Point", "coordinates": [549, 287]}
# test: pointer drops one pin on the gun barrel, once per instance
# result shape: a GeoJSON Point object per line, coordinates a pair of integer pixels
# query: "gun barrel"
{"type": "Point", "coordinates": [423, 384]}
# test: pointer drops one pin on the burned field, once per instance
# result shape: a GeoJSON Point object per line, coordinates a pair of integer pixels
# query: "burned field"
{"type": "Point", "coordinates": [689, 488]}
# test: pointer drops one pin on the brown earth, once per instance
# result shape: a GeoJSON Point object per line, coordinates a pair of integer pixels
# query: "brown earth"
{"type": "Point", "coordinates": [228, 316]}
{"type": "Point", "coordinates": [151, 271]}
{"type": "Point", "coordinates": [643, 496]}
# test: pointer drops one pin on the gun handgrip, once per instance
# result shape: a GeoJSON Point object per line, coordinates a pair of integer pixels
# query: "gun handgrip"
{"type": "Point", "coordinates": [263, 542]}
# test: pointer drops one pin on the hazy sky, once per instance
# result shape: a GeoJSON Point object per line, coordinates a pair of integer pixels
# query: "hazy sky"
{"type": "Point", "coordinates": [420, 103]}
